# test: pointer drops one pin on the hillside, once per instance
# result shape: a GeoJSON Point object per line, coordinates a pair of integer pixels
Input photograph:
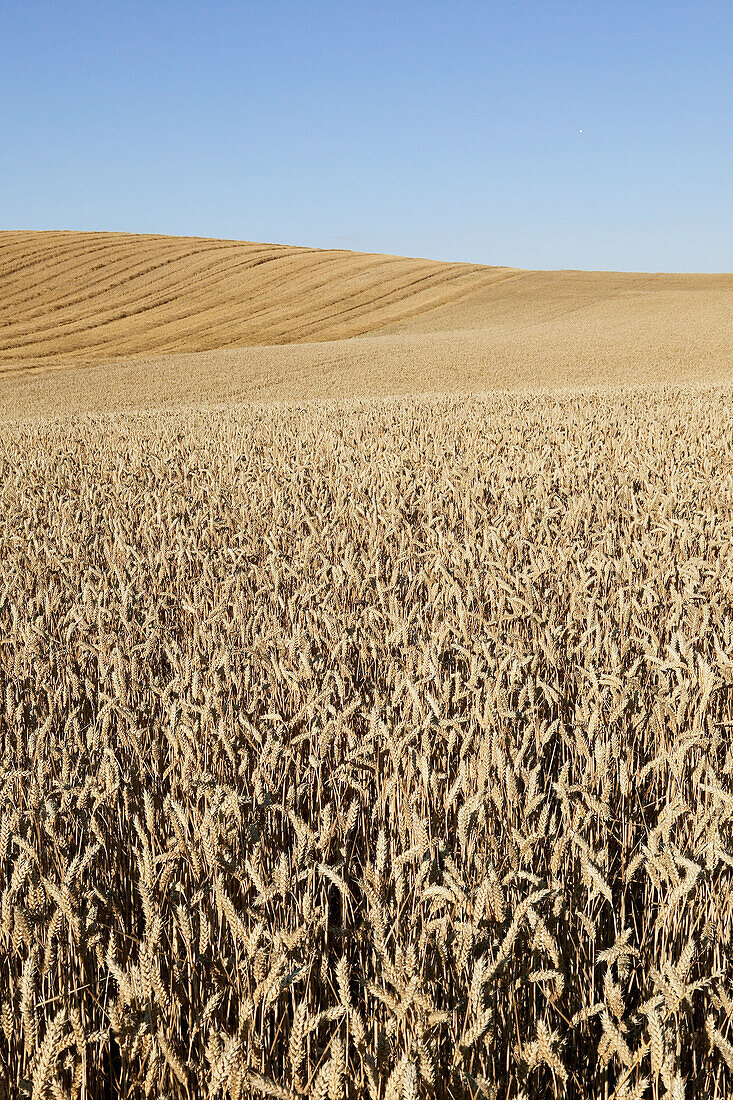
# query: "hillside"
{"type": "Point", "coordinates": [100, 321]}
{"type": "Point", "coordinates": [90, 297]}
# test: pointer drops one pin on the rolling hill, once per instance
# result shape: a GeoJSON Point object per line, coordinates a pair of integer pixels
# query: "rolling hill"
{"type": "Point", "coordinates": [105, 321]}
{"type": "Point", "coordinates": [90, 297]}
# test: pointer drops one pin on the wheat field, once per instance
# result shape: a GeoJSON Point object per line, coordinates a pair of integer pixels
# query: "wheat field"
{"type": "Point", "coordinates": [92, 297]}
{"type": "Point", "coordinates": [376, 747]}
{"type": "Point", "coordinates": [112, 322]}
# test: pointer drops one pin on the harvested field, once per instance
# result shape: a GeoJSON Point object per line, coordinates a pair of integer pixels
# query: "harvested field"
{"type": "Point", "coordinates": [93, 297]}
{"type": "Point", "coordinates": [369, 750]}
{"type": "Point", "coordinates": [85, 320]}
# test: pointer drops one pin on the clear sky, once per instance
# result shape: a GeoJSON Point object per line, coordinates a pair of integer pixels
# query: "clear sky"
{"type": "Point", "coordinates": [565, 133]}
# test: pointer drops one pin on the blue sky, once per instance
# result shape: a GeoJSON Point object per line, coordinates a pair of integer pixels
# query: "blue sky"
{"type": "Point", "coordinates": [446, 129]}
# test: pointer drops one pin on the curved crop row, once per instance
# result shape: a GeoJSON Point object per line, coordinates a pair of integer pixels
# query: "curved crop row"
{"type": "Point", "coordinates": [89, 297]}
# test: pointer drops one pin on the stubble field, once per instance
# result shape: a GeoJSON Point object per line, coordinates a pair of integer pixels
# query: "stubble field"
{"type": "Point", "coordinates": [105, 322]}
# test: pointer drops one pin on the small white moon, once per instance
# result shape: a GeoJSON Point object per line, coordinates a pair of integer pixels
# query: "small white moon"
{"type": "Point", "coordinates": [580, 131]}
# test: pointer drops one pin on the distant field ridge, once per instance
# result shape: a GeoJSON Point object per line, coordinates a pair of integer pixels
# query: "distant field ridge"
{"type": "Point", "coordinates": [116, 321]}
{"type": "Point", "coordinates": [91, 297]}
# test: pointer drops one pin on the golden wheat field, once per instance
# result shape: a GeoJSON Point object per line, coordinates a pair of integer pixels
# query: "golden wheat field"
{"type": "Point", "coordinates": [376, 747]}
{"type": "Point", "coordinates": [91, 297]}
{"type": "Point", "coordinates": [112, 322]}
